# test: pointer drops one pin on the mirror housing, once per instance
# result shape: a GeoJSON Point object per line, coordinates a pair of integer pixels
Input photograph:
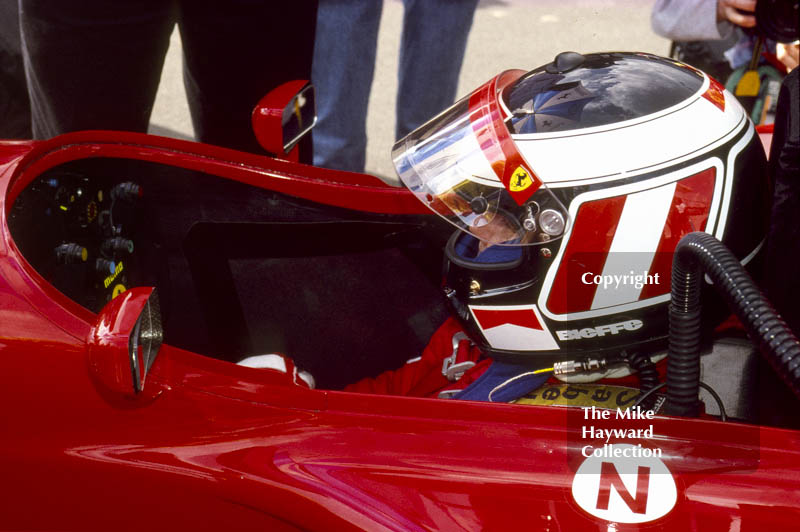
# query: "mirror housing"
{"type": "Point", "coordinates": [124, 341]}
{"type": "Point", "coordinates": [284, 116]}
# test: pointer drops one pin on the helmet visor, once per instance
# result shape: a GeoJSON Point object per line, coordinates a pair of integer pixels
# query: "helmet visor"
{"type": "Point", "coordinates": [464, 165]}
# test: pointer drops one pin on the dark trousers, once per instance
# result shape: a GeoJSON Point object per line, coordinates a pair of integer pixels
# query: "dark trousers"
{"type": "Point", "coordinates": [96, 64]}
{"type": "Point", "coordinates": [15, 112]}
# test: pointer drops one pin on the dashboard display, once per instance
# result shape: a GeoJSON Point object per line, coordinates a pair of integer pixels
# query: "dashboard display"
{"type": "Point", "coordinates": [79, 233]}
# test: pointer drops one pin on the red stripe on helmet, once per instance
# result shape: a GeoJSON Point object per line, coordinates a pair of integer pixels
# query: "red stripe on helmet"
{"type": "Point", "coordinates": [592, 233]}
{"type": "Point", "coordinates": [688, 212]}
{"type": "Point", "coordinates": [494, 138]}
{"type": "Point", "coordinates": [715, 94]}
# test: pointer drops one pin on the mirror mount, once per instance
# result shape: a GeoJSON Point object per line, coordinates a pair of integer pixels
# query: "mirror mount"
{"type": "Point", "coordinates": [283, 117]}
{"type": "Point", "coordinates": [124, 341]}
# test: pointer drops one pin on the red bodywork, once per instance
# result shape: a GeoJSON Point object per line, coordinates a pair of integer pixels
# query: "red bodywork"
{"type": "Point", "coordinates": [216, 446]}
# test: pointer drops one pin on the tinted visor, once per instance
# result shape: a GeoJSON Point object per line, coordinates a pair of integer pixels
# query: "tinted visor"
{"type": "Point", "coordinates": [465, 167]}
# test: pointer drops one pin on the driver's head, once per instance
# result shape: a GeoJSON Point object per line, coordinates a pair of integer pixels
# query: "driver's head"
{"type": "Point", "coordinates": [585, 170]}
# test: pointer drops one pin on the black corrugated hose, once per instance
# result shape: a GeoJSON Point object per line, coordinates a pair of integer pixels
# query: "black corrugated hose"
{"type": "Point", "coordinates": [697, 254]}
{"type": "Point", "coordinates": [648, 375]}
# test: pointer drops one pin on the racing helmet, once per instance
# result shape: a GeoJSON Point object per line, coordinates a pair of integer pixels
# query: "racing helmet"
{"type": "Point", "coordinates": [571, 185]}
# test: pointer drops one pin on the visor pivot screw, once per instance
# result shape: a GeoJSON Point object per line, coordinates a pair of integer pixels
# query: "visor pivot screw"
{"type": "Point", "coordinates": [474, 287]}
{"type": "Point", "coordinates": [478, 205]}
{"type": "Point", "coordinates": [529, 224]}
{"type": "Point", "coordinates": [546, 253]}
{"type": "Point", "coordinates": [529, 220]}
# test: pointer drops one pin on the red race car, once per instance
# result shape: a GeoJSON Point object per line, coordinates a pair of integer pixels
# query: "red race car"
{"type": "Point", "coordinates": [136, 271]}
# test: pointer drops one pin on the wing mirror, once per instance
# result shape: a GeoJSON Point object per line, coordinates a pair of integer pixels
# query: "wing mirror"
{"type": "Point", "coordinates": [125, 339]}
{"type": "Point", "coordinates": [284, 116]}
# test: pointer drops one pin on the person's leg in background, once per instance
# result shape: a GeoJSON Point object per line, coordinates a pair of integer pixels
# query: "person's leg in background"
{"type": "Point", "coordinates": [344, 66]}
{"type": "Point", "coordinates": [234, 54]}
{"type": "Point", "coordinates": [93, 64]}
{"type": "Point", "coordinates": [431, 53]}
{"type": "Point", "coordinates": [15, 110]}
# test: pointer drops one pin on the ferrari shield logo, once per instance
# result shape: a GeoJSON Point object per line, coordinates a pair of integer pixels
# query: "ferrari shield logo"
{"type": "Point", "coordinates": [520, 180]}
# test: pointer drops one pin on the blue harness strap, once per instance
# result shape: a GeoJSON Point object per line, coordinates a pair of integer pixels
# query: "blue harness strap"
{"type": "Point", "coordinates": [503, 382]}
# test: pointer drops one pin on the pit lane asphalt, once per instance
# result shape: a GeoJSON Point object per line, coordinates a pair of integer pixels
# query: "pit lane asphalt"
{"type": "Point", "coordinates": [505, 34]}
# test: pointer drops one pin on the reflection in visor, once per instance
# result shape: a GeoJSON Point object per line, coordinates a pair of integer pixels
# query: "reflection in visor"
{"type": "Point", "coordinates": [501, 230]}
{"type": "Point", "coordinates": [471, 204]}
{"type": "Point", "coordinates": [556, 105]}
